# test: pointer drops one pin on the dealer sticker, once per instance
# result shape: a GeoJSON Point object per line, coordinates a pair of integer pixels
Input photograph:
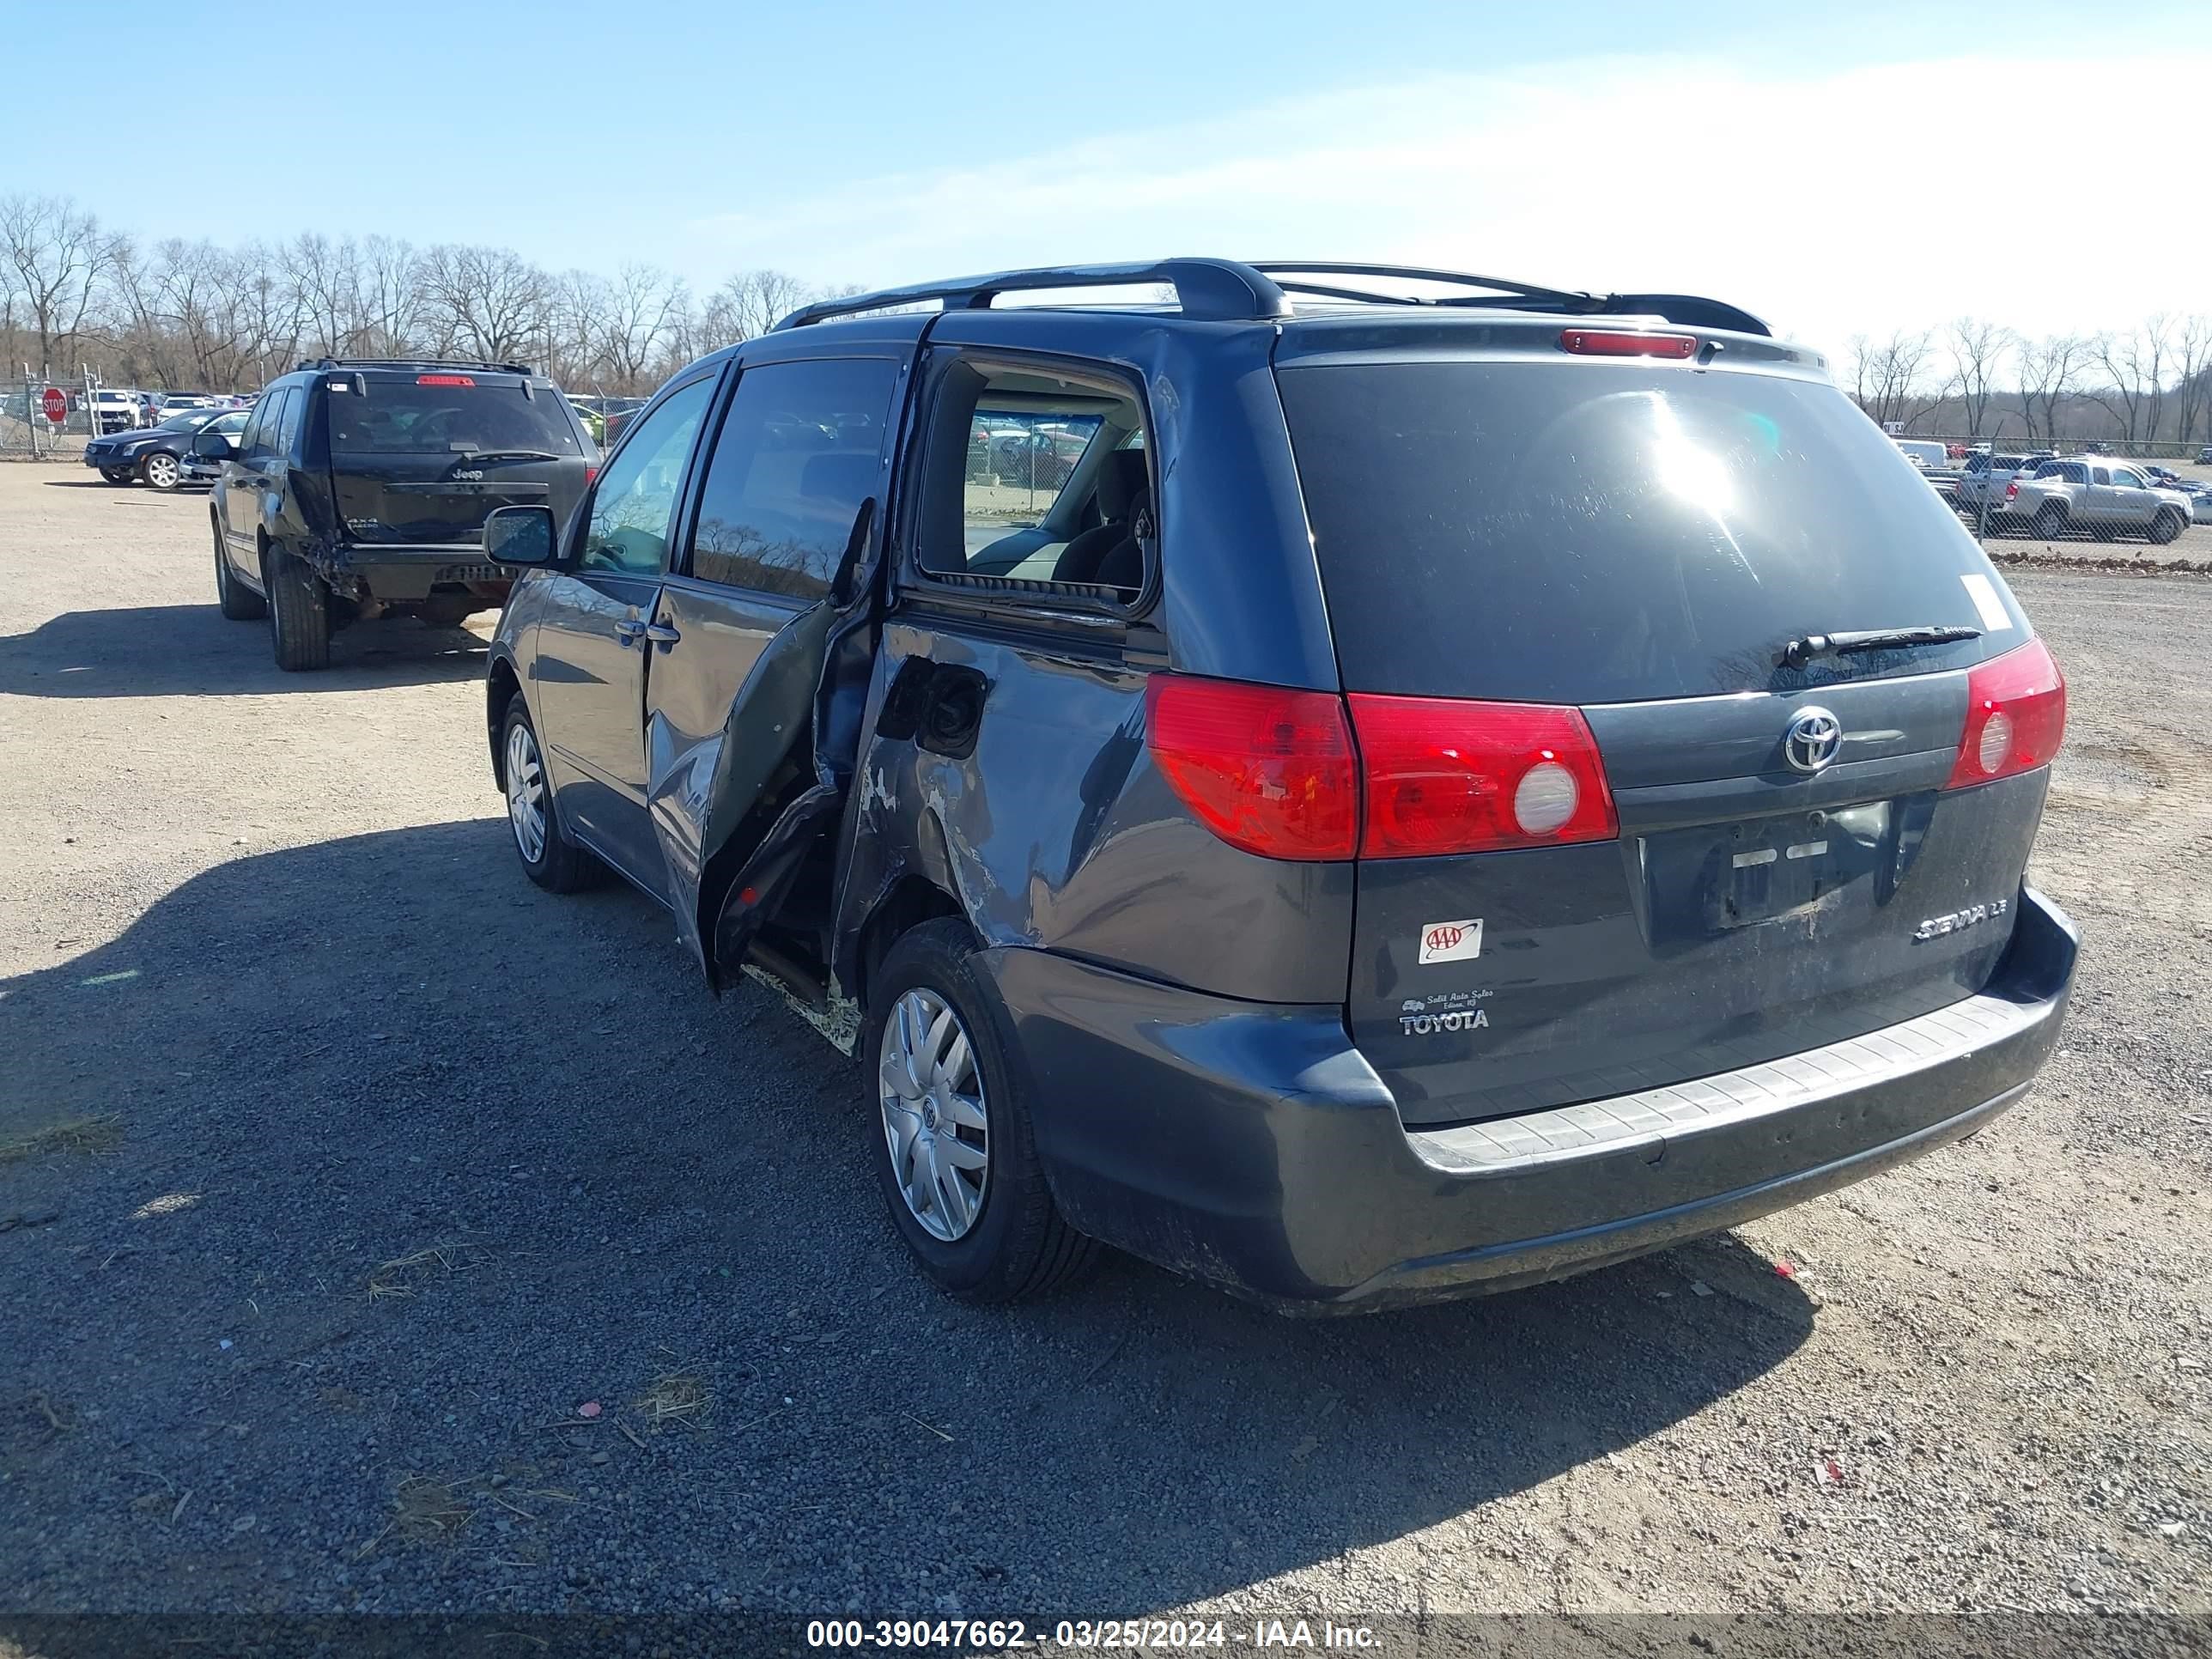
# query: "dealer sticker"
{"type": "Point", "coordinates": [1452, 941]}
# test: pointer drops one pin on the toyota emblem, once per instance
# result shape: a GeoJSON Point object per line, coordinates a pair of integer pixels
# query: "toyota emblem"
{"type": "Point", "coordinates": [1813, 739]}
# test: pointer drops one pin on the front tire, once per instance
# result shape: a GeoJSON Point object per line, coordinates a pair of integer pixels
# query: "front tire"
{"type": "Point", "coordinates": [954, 1149]}
{"type": "Point", "coordinates": [117, 474]}
{"type": "Point", "coordinates": [299, 612]}
{"type": "Point", "coordinates": [549, 857]}
{"type": "Point", "coordinates": [2165, 527]}
{"type": "Point", "coordinates": [160, 470]}
{"type": "Point", "coordinates": [237, 602]}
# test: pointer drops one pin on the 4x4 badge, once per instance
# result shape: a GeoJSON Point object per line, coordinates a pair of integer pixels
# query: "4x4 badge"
{"type": "Point", "coordinates": [1814, 736]}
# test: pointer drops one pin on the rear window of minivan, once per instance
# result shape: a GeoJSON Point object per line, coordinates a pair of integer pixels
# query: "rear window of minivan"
{"type": "Point", "coordinates": [446, 414]}
{"type": "Point", "coordinates": [1581, 533]}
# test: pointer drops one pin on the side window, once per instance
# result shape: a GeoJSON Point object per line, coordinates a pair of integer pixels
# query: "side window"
{"type": "Point", "coordinates": [2100, 475]}
{"type": "Point", "coordinates": [250, 439]}
{"type": "Point", "coordinates": [2127, 479]}
{"type": "Point", "coordinates": [627, 531]}
{"type": "Point", "coordinates": [288, 423]}
{"type": "Point", "coordinates": [1034, 475]}
{"type": "Point", "coordinates": [798, 455]}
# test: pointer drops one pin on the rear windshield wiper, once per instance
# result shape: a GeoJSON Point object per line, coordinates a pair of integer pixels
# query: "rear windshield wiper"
{"type": "Point", "coordinates": [475, 458]}
{"type": "Point", "coordinates": [1799, 652]}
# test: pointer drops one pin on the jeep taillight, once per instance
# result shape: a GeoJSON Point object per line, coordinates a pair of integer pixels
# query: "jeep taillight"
{"type": "Point", "coordinates": [2012, 490]}
{"type": "Point", "coordinates": [1444, 775]}
{"type": "Point", "coordinates": [2015, 716]}
{"type": "Point", "coordinates": [1266, 769]}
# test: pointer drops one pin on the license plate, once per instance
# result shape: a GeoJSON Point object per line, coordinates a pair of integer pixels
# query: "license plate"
{"type": "Point", "coordinates": [1717, 878]}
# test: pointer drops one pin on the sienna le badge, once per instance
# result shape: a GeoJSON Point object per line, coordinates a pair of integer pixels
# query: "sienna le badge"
{"type": "Point", "coordinates": [1452, 941]}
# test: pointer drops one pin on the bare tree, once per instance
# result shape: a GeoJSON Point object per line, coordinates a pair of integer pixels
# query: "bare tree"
{"type": "Point", "coordinates": [2193, 368]}
{"type": "Point", "coordinates": [489, 301]}
{"type": "Point", "coordinates": [640, 300]}
{"type": "Point", "coordinates": [755, 301]}
{"type": "Point", "coordinates": [2134, 368]}
{"type": "Point", "coordinates": [1891, 379]}
{"type": "Point", "coordinates": [1976, 348]}
{"type": "Point", "coordinates": [2048, 370]}
{"type": "Point", "coordinates": [56, 254]}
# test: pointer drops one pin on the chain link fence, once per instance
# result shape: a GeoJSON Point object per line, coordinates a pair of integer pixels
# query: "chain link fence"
{"type": "Point", "coordinates": [2107, 504]}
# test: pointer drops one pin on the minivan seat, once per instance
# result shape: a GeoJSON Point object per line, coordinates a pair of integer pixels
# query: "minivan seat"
{"type": "Point", "coordinates": [1108, 552]}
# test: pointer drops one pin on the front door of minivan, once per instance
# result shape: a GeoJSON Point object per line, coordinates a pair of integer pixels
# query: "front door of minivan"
{"type": "Point", "coordinates": [772, 575]}
{"type": "Point", "coordinates": [589, 672]}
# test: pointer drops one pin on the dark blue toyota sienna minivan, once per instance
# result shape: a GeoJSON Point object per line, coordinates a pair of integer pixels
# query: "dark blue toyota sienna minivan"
{"type": "Point", "coordinates": [1357, 785]}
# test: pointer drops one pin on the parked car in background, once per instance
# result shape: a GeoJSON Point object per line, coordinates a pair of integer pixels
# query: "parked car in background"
{"type": "Point", "coordinates": [2200, 498]}
{"type": "Point", "coordinates": [358, 489]}
{"type": "Point", "coordinates": [1982, 481]}
{"type": "Point", "coordinates": [594, 422]}
{"type": "Point", "coordinates": [1924, 453]}
{"type": "Point", "coordinates": [199, 469]}
{"type": "Point", "coordinates": [167, 403]}
{"type": "Point", "coordinates": [2098, 496]}
{"type": "Point", "coordinates": [2205, 456]}
{"type": "Point", "coordinates": [149, 455]}
{"type": "Point", "coordinates": [116, 410]}
{"type": "Point", "coordinates": [1251, 857]}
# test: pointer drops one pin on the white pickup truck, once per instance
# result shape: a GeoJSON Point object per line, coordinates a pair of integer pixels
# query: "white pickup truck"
{"type": "Point", "coordinates": [2094, 496]}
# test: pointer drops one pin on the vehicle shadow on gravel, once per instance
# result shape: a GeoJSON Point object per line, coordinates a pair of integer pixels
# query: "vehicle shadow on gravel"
{"type": "Point", "coordinates": [414, 1160]}
{"type": "Point", "coordinates": [189, 650]}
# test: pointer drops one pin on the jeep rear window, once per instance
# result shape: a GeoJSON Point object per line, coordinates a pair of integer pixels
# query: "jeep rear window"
{"type": "Point", "coordinates": [393, 417]}
{"type": "Point", "coordinates": [1595, 532]}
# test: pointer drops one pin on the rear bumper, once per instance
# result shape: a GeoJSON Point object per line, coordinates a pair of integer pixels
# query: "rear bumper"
{"type": "Point", "coordinates": [397, 573]}
{"type": "Point", "coordinates": [1253, 1146]}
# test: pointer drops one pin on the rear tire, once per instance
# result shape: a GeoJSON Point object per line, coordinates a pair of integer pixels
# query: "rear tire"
{"type": "Point", "coordinates": [1009, 1241]}
{"type": "Point", "coordinates": [2165, 527]}
{"type": "Point", "coordinates": [233, 598]}
{"type": "Point", "coordinates": [160, 470]}
{"type": "Point", "coordinates": [2051, 521]}
{"type": "Point", "coordinates": [299, 612]}
{"type": "Point", "coordinates": [549, 857]}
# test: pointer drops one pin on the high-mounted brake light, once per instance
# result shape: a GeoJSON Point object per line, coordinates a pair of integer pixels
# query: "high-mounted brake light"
{"type": "Point", "coordinates": [1450, 776]}
{"type": "Point", "coordinates": [444, 379]}
{"type": "Point", "coordinates": [1266, 769]}
{"type": "Point", "coordinates": [1594, 343]}
{"type": "Point", "coordinates": [2015, 716]}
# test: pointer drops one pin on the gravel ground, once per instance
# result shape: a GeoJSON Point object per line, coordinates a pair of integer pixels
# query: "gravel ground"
{"type": "Point", "coordinates": [358, 1167]}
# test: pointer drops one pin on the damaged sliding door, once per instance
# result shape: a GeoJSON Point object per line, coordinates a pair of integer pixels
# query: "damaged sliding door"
{"type": "Point", "coordinates": [768, 610]}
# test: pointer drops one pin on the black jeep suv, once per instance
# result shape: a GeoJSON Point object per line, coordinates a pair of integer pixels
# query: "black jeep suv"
{"type": "Point", "coordinates": [1442, 789]}
{"type": "Point", "coordinates": [359, 490]}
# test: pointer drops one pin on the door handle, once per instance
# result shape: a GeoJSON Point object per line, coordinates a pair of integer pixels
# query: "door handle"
{"type": "Point", "coordinates": [629, 632]}
{"type": "Point", "coordinates": [662, 634]}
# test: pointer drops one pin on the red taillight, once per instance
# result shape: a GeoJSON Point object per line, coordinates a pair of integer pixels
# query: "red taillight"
{"type": "Point", "coordinates": [1594, 343]}
{"type": "Point", "coordinates": [1266, 769]}
{"type": "Point", "coordinates": [2015, 716]}
{"type": "Point", "coordinates": [1447, 776]}
{"type": "Point", "coordinates": [2012, 490]}
{"type": "Point", "coordinates": [443, 380]}
{"type": "Point", "coordinates": [1286, 773]}
{"type": "Point", "coordinates": [591, 473]}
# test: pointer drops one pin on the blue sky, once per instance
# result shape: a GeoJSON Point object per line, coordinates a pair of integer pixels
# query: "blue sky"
{"type": "Point", "coordinates": [1814, 165]}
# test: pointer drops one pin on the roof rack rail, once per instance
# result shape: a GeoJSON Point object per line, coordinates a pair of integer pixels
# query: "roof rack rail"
{"type": "Point", "coordinates": [1229, 290]}
{"type": "Point", "coordinates": [415, 363]}
{"type": "Point", "coordinates": [1690, 310]}
{"type": "Point", "coordinates": [1221, 289]}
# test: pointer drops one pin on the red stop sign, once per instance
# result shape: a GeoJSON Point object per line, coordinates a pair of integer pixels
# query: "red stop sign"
{"type": "Point", "coordinates": [55, 404]}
